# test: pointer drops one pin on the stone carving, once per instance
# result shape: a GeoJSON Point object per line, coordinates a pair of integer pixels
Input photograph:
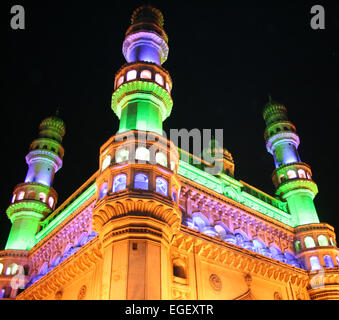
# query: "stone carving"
{"type": "Point", "coordinates": [65, 242]}
{"type": "Point", "coordinates": [277, 296]}
{"type": "Point", "coordinates": [215, 282]}
{"type": "Point", "coordinates": [82, 293]}
{"type": "Point", "coordinates": [218, 212]}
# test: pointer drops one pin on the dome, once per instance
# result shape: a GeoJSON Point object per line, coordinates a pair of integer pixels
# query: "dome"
{"type": "Point", "coordinates": [53, 123]}
{"type": "Point", "coordinates": [147, 14]}
{"type": "Point", "coordinates": [274, 111]}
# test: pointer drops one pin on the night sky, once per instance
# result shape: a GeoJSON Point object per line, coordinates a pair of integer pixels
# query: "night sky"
{"type": "Point", "coordinates": [225, 58]}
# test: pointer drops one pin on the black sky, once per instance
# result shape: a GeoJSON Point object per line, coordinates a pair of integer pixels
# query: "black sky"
{"type": "Point", "coordinates": [225, 58]}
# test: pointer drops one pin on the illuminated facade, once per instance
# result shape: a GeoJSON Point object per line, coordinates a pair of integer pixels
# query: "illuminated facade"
{"type": "Point", "coordinates": [148, 225]}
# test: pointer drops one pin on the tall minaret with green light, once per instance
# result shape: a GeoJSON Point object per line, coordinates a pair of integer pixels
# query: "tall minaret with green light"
{"type": "Point", "coordinates": [137, 213]}
{"type": "Point", "coordinates": [292, 178]}
{"type": "Point", "coordinates": [142, 97]}
{"type": "Point", "coordinates": [35, 198]}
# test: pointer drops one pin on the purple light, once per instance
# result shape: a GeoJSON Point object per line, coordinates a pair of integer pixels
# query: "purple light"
{"type": "Point", "coordinates": [145, 46]}
{"type": "Point", "coordinates": [144, 52]}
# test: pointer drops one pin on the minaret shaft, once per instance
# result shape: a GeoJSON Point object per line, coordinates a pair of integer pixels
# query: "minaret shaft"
{"type": "Point", "coordinates": [285, 152]}
{"type": "Point", "coordinates": [141, 114]}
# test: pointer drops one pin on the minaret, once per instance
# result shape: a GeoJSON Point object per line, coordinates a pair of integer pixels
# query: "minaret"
{"type": "Point", "coordinates": [35, 198]}
{"type": "Point", "coordinates": [142, 97]}
{"type": "Point", "coordinates": [292, 178]}
{"type": "Point", "coordinates": [136, 214]}
{"type": "Point", "coordinates": [314, 242]}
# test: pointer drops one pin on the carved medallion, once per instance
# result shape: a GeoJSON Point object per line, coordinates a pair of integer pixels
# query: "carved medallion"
{"type": "Point", "coordinates": [277, 296]}
{"type": "Point", "coordinates": [215, 282]}
{"type": "Point", "coordinates": [82, 293]}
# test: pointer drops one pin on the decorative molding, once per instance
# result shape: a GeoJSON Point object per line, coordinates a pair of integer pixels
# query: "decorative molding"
{"type": "Point", "coordinates": [236, 219]}
{"type": "Point", "coordinates": [223, 253]}
{"type": "Point", "coordinates": [215, 282]}
{"type": "Point", "coordinates": [67, 235]}
{"type": "Point", "coordinates": [87, 257]}
{"type": "Point", "coordinates": [82, 293]}
{"type": "Point", "coordinates": [230, 192]}
{"type": "Point", "coordinates": [14, 254]}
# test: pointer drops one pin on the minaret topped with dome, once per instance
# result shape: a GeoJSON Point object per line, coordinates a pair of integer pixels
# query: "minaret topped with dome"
{"type": "Point", "coordinates": [34, 199]}
{"type": "Point", "coordinates": [142, 97]}
{"type": "Point", "coordinates": [46, 152]}
{"type": "Point", "coordinates": [291, 177]}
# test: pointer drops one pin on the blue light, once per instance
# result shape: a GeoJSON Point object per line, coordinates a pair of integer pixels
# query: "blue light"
{"type": "Point", "coordinates": [141, 181]}
{"type": "Point", "coordinates": [145, 52]}
{"type": "Point", "coordinates": [328, 262]}
{"type": "Point", "coordinates": [161, 186]}
{"type": "Point", "coordinates": [119, 183]}
{"type": "Point", "coordinates": [315, 264]}
{"type": "Point", "coordinates": [103, 190]}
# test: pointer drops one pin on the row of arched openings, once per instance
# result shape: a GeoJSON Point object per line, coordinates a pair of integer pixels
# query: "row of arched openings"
{"type": "Point", "coordinates": [201, 223]}
{"type": "Point", "coordinates": [279, 129]}
{"type": "Point", "coordinates": [316, 265]}
{"type": "Point", "coordinates": [146, 74]}
{"type": "Point", "coordinates": [31, 195]}
{"type": "Point", "coordinates": [11, 269]}
{"type": "Point", "coordinates": [293, 174]}
{"type": "Point", "coordinates": [141, 154]}
{"type": "Point", "coordinates": [141, 181]}
{"type": "Point", "coordinates": [46, 267]}
{"type": "Point", "coordinates": [309, 242]}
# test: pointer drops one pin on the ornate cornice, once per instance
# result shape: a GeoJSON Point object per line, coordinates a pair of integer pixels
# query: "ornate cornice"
{"type": "Point", "coordinates": [86, 258]}
{"type": "Point", "coordinates": [61, 236]}
{"type": "Point", "coordinates": [52, 158]}
{"type": "Point", "coordinates": [295, 185]}
{"type": "Point", "coordinates": [314, 227]}
{"type": "Point", "coordinates": [235, 216]}
{"type": "Point", "coordinates": [13, 254]}
{"type": "Point", "coordinates": [142, 89]}
{"type": "Point", "coordinates": [232, 195]}
{"type": "Point", "coordinates": [28, 207]}
{"type": "Point", "coordinates": [287, 136]}
{"type": "Point", "coordinates": [221, 252]}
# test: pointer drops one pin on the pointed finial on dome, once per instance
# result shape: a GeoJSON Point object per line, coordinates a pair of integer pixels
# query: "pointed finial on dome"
{"type": "Point", "coordinates": [269, 98]}
{"type": "Point", "coordinates": [57, 112]}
